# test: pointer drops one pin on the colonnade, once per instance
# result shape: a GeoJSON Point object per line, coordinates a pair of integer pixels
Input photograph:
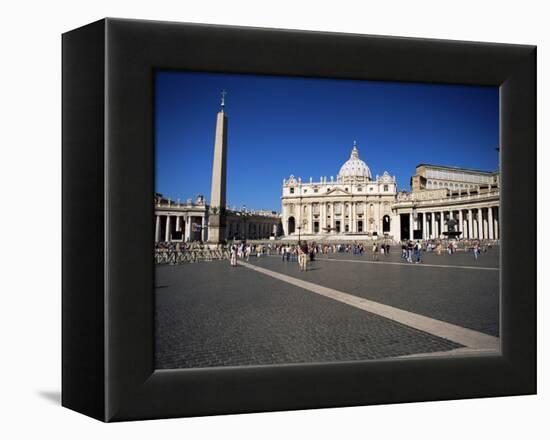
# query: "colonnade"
{"type": "Point", "coordinates": [194, 226]}
{"type": "Point", "coordinates": [242, 229]}
{"type": "Point", "coordinates": [480, 223]}
{"type": "Point", "coordinates": [167, 224]}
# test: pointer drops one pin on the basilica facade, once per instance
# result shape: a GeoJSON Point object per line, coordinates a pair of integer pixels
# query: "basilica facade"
{"type": "Point", "coordinates": [356, 206]}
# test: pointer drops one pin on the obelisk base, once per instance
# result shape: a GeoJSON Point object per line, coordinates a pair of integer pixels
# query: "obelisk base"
{"type": "Point", "coordinates": [216, 228]}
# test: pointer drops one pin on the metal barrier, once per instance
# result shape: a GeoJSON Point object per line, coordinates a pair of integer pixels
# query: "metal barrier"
{"type": "Point", "coordinates": [171, 256]}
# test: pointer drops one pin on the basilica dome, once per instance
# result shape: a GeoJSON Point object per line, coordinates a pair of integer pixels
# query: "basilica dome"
{"type": "Point", "coordinates": [354, 167]}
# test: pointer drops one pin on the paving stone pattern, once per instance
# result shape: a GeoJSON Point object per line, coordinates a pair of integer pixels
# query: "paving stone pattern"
{"type": "Point", "coordinates": [465, 297]}
{"type": "Point", "coordinates": [210, 314]}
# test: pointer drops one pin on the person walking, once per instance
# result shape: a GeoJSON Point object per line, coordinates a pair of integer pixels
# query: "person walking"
{"type": "Point", "coordinates": [233, 255]}
{"type": "Point", "coordinates": [410, 248]}
{"type": "Point", "coordinates": [417, 249]}
{"type": "Point", "coordinates": [476, 250]}
{"type": "Point", "coordinates": [375, 252]}
{"type": "Point", "coordinates": [302, 256]}
{"type": "Point", "coordinates": [312, 253]}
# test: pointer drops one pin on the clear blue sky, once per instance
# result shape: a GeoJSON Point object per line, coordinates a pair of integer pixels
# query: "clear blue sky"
{"type": "Point", "coordinates": [280, 126]}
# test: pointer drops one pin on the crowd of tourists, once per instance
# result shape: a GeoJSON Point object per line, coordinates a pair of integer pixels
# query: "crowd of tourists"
{"type": "Point", "coordinates": [302, 252]}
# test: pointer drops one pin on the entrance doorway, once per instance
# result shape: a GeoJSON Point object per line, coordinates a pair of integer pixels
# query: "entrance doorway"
{"type": "Point", "coordinates": [291, 225]}
{"type": "Point", "coordinates": [405, 226]}
{"type": "Point", "coordinates": [386, 223]}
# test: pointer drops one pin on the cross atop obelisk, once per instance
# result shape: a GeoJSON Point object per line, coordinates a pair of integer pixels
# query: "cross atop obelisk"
{"type": "Point", "coordinates": [223, 100]}
{"type": "Point", "coordinates": [216, 217]}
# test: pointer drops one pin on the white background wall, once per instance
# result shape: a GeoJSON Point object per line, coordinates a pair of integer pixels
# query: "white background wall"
{"type": "Point", "coordinates": [30, 171]}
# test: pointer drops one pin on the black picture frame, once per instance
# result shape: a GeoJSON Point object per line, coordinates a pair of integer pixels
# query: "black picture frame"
{"type": "Point", "coordinates": [108, 187]}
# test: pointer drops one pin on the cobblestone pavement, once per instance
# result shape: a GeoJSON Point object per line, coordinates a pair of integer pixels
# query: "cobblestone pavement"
{"type": "Point", "coordinates": [458, 295]}
{"type": "Point", "coordinates": [210, 314]}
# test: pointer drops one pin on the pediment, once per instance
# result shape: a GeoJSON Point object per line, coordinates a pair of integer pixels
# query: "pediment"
{"type": "Point", "coordinates": [338, 192]}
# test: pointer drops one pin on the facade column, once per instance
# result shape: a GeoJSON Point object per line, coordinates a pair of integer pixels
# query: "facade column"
{"type": "Point", "coordinates": [491, 226]}
{"type": "Point", "coordinates": [299, 220]}
{"type": "Point", "coordinates": [322, 217]}
{"type": "Point", "coordinates": [461, 222]}
{"type": "Point", "coordinates": [470, 224]}
{"type": "Point", "coordinates": [353, 226]}
{"type": "Point", "coordinates": [443, 226]}
{"type": "Point", "coordinates": [411, 226]}
{"type": "Point", "coordinates": [310, 209]}
{"type": "Point", "coordinates": [157, 228]}
{"type": "Point", "coordinates": [167, 232]}
{"type": "Point", "coordinates": [432, 221]}
{"type": "Point", "coordinates": [378, 219]}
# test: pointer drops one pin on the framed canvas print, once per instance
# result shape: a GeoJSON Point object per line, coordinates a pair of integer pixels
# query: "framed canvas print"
{"type": "Point", "coordinates": [261, 220]}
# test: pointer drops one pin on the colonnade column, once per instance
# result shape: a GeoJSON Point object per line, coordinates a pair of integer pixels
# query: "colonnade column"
{"type": "Point", "coordinates": [461, 223]}
{"type": "Point", "coordinates": [497, 225]}
{"type": "Point", "coordinates": [167, 232]}
{"type": "Point", "coordinates": [480, 223]}
{"type": "Point", "coordinates": [157, 228]}
{"type": "Point", "coordinates": [187, 228]}
{"type": "Point", "coordinates": [424, 226]}
{"type": "Point", "coordinates": [203, 229]}
{"type": "Point", "coordinates": [411, 226]}
{"type": "Point", "coordinates": [470, 224]}
{"type": "Point", "coordinates": [490, 217]}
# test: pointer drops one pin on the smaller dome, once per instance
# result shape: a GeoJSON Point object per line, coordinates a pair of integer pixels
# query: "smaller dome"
{"type": "Point", "coordinates": [355, 167]}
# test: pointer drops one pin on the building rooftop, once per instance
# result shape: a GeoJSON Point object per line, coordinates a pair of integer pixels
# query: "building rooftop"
{"type": "Point", "coordinates": [446, 167]}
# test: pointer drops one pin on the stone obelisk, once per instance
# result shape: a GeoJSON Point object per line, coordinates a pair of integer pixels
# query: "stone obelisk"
{"type": "Point", "coordinates": [216, 217]}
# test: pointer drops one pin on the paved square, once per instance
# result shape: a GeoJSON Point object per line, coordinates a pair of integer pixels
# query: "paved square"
{"type": "Point", "coordinates": [344, 308]}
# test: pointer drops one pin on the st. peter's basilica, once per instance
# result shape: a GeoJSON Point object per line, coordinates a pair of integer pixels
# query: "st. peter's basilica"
{"type": "Point", "coordinates": [354, 205]}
